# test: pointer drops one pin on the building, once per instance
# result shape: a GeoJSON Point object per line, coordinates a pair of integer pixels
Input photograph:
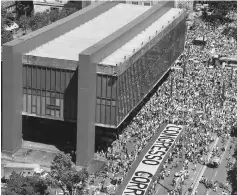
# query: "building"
{"type": "Point", "coordinates": [43, 5]}
{"type": "Point", "coordinates": [97, 79]}
{"type": "Point", "coordinates": [10, 6]}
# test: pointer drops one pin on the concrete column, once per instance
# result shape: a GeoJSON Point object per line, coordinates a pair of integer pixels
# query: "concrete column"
{"type": "Point", "coordinates": [12, 99]}
{"type": "Point", "coordinates": [86, 110]}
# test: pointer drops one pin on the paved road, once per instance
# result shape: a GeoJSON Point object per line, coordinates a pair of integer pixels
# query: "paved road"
{"type": "Point", "coordinates": [193, 176]}
{"type": "Point", "coordinates": [217, 174]}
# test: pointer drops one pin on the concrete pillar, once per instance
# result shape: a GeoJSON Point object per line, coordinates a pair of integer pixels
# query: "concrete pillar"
{"type": "Point", "coordinates": [86, 110]}
{"type": "Point", "coordinates": [12, 99]}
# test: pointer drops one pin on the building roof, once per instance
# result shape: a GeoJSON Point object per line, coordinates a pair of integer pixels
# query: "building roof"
{"type": "Point", "coordinates": [69, 45]}
{"type": "Point", "coordinates": [126, 51]}
{"type": "Point", "coordinates": [6, 4]}
{"type": "Point", "coordinates": [21, 165]}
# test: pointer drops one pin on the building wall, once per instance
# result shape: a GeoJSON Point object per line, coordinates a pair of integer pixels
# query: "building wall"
{"type": "Point", "coordinates": [106, 96]}
{"type": "Point", "coordinates": [49, 92]}
{"type": "Point", "coordinates": [52, 92]}
{"type": "Point", "coordinates": [141, 76]}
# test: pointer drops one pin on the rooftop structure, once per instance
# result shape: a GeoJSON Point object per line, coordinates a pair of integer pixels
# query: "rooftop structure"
{"type": "Point", "coordinates": [131, 47]}
{"type": "Point", "coordinates": [89, 33]}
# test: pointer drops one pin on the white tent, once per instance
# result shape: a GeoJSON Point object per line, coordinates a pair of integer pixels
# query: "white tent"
{"type": "Point", "coordinates": [12, 27]}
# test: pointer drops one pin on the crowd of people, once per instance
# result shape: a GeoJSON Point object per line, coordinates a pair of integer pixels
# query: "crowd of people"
{"type": "Point", "coordinates": [204, 100]}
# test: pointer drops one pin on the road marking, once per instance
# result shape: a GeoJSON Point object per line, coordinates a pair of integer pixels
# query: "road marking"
{"type": "Point", "coordinates": [220, 163]}
{"type": "Point", "coordinates": [204, 167]}
{"type": "Point", "coordinates": [225, 151]}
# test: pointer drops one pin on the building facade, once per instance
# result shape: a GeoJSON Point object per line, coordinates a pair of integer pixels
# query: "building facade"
{"type": "Point", "coordinates": [44, 5]}
{"type": "Point", "coordinates": [89, 87]}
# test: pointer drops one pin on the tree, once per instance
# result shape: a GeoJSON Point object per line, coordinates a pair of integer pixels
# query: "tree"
{"type": "Point", "coordinates": [6, 20]}
{"type": "Point", "coordinates": [30, 185]}
{"type": "Point", "coordinates": [65, 176]}
{"type": "Point", "coordinates": [24, 23]}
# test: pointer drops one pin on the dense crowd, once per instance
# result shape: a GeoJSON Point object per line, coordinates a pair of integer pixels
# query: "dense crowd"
{"type": "Point", "coordinates": [205, 101]}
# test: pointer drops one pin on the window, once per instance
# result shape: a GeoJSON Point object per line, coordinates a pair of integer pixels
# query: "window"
{"type": "Point", "coordinates": [54, 8]}
{"type": "Point", "coordinates": [134, 2]}
{"type": "Point", "coordinates": [147, 3]}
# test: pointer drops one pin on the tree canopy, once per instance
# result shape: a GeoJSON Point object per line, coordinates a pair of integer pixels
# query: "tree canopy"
{"type": "Point", "coordinates": [65, 176]}
{"type": "Point", "coordinates": [30, 185]}
{"type": "Point", "coordinates": [6, 20]}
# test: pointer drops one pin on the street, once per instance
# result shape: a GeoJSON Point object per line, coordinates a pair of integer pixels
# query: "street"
{"type": "Point", "coordinates": [217, 174]}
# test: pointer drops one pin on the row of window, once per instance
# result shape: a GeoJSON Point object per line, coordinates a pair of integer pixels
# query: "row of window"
{"type": "Point", "coordinates": [53, 92]}
{"type": "Point", "coordinates": [137, 80]}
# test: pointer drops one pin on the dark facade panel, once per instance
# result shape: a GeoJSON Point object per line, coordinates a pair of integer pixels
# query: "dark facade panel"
{"type": "Point", "coordinates": [49, 92]}
{"type": "Point", "coordinates": [52, 93]}
{"type": "Point", "coordinates": [140, 77]}
{"type": "Point", "coordinates": [106, 90]}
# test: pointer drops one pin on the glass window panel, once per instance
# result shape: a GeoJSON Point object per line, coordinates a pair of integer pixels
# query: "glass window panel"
{"type": "Point", "coordinates": [33, 109]}
{"type": "Point", "coordinates": [120, 107]}
{"type": "Point", "coordinates": [63, 81]}
{"type": "Point", "coordinates": [58, 88]}
{"type": "Point", "coordinates": [29, 103]}
{"type": "Point", "coordinates": [24, 102]}
{"type": "Point", "coordinates": [47, 101]}
{"type": "Point", "coordinates": [52, 101]}
{"type": "Point", "coordinates": [53, 79]}
{"type": "Point", "coordinates": [114, 87]}
{"type": "Point", "coordinates": [113, 119]}
{"type": "Point", "coordinates": [104, 85]}
{"type": "Point", "coordinates": [33, 92]}
{"type": "Point", "coordinates": [24, 75]}
{"type": "Point", "coordinates": [47, 79]}
{"type": "Point", "coordinates": [57, 102]}
{"type": "Point", "coordinates": [48, 111]}
{"type": "Point", "coordinates": [34, 74]}
{"type": "Point", "coordinates": [33, 100]}
{"type": "Point", "coordinates": [57, 113]}
{"type": "Point", "coordinates": [38, 105]}
{"type": "Point", "coordinates": [103, 112]}
{"type": "Point", "coordinates": [43, 78]}
{"type": "Point", "coordinates": [52, 112]}
{"type": "Point", "coordinates": [29, 76]}
{"type": "Point", "coordinates": [43, 105]}
{"type": "Point", "coordinates": [98, 113]}
{"type": "Point", "coordinates": [109, 86]}
{"type": "Point", "coordinates": [108, 114]}
{"type": "Point", "coordinates": [61, 109]}
{"type": "Point", "coordinates": [98, 87]}
{"type": "Point", "coordinates": [38, 78]}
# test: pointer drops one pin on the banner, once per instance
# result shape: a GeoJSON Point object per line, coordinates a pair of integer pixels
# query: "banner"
{"type": "Point", "coordinates": [142, 177]}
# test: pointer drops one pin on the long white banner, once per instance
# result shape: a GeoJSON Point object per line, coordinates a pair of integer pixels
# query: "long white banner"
{"type": "Point", "coordinates": [151, 161]}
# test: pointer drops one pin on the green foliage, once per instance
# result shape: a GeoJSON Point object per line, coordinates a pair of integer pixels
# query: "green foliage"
{"type": "Point", "coordinates": [223, 7]}
{"type": "Point", "coordinates": [23, 22]}
{"type": "Point", "coordinates": [42, 19]}
{"type": "Point", "coordinates": [24, 8]}
{"type": "Point", "coordinates": [6, 20]}
{"type": "Point", "coordinates": [65, 176]}
{"type": "Point", "coordinates": [30, 185]}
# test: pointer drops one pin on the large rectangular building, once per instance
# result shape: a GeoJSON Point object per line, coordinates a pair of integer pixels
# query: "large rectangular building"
{"type": "Point", "coordinates": [93, 68]}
